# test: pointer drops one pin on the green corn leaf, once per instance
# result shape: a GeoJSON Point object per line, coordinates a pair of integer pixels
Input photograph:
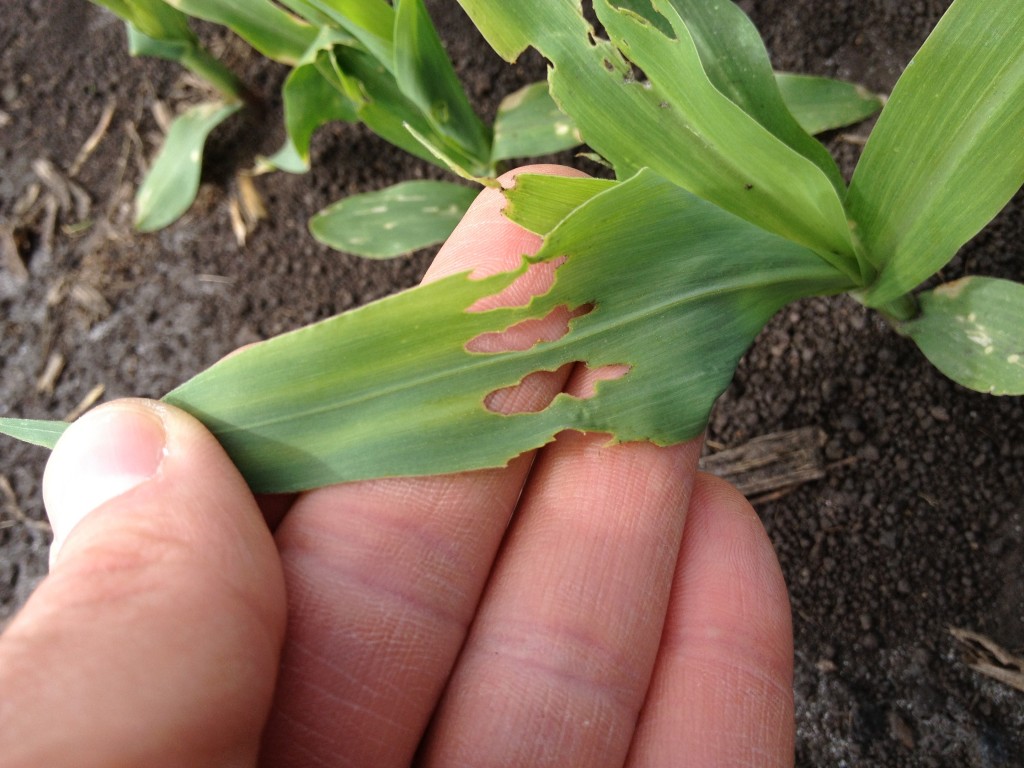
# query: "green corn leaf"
{"type": "Point", "coordinates": [973, 331]}
{"type": "Point", "coordinates": [386, 111]}
{"type": "Point", "coordinates": [153, 18]}
{"type": "Point", "coordinates": [172, 182]}
{"type": "Point", "coordinates": [169, 48]}
{"type": "Point", "coordinates": [426, 77]}
{"type": "Point", "coordinates": [393, 221]}
{"type": "Point", "coordinates": [188, 52]}
{"type": "Point", "coordinates": [371, 22]}
{"type": "Point", "coordinates": [269, 29]}
{"type": "Point", "coordinates": [539, 203]}
{"type": "Point", "coordinates": [36, 432]}
{"type": "Point", "coordinates": [821, 104]}
{"type": "Point", "coordinates": [390, 388]}
{"type": "Point", "coordinates": [948, 150]}
{"type": "Point", "coordinates": [312, 97]}
{"type": "Point", "coordinates": [529, 123]}
{"type": "Point", "coordinates": [677, 122]}
{"type": "Point", "coordinates": [736, 62]}
{"type": "Point", "coordinates": [155, 29]}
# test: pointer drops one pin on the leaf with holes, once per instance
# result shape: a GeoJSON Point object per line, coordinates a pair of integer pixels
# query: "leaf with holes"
{"type": "Point", "coordinates": [656, 280]}
{"type": "Point", "coordinates": [671, 118]}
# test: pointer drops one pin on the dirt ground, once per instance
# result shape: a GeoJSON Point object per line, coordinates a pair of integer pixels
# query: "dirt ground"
{"type": "Point", "coordinates": [917, 527]}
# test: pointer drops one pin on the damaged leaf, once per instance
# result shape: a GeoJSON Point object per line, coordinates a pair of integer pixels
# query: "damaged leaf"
{"type": "Point", "coordinates": [390, 389]}
{"type": "Point", "coordinates": [971, 331]}
{"type": "Point", "coordinates": [692, 134]}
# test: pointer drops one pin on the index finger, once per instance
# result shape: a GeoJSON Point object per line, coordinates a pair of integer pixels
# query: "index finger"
{"type": "Point", "coordinates": [383, 577]}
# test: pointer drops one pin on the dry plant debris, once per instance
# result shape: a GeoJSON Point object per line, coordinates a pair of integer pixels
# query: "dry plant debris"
{"type": "Point", "coordinates": [987, 658]}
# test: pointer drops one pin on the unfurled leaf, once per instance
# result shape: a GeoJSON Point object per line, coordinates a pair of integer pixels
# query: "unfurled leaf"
{"type": "Point", "coordinates": [973, 331]}
{"type": "Point", "coordinates": [269, 29]}
{"type": "Point", "coordinates": [427, 78]}
{"type": "Point", "coordinates": [36, 432]}
{"type": "Point", "coordinates": [172, 182]}
{"type": "Point", "coordinates": [821, 104]}
{"type": "Point", "coordinates": [529, 123]}
{"type": "Point", "coordinates": [948, 150]}
{"type": "Point", "coordinates": [393, 221]}
{"type": "Point", "coordinates": [673, 119]}
{"type": "Point", "coordinates": [663, 282]}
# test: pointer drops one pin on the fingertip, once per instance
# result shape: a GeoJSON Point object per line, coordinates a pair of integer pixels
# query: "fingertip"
{"type": "Point", "coordinates": [104, 454]}
{"type": "Point", "coordinates": [486, 242]}
{"type": "Point", "coordinates": [722, 691]}
{"type": "Point", "coordinates": [164, 610]}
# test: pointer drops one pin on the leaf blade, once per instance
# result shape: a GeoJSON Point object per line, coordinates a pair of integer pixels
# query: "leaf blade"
{"type": "Point", "coordinates": [390, 389]}
{"type": "Point", "coordinates": [822, 104]}
{"type": "Point", "coordinates": [311, 100]}
{"type": "Point", "coordinates": [529, 123]}
{"type": "Point", "coordinates": [173, 180]}
{"type": "Point", "coordinates": [37, 432]}
{"type": "Point", "coordinates": [948, 150]}
{"type": "Point", "coordinates": [973, 331]}
{"type": "Point", "coordinates": [426, 77]}
{"type": "Point", "coordinates": [393, 221]}
{"type": "Point", "coordinates": [268, 28]}
{"type": "Point", "coordinates": [679, 124]}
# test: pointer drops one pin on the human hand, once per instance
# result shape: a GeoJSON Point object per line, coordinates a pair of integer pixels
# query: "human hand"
{"type": "Point", "coordinates": [556, 612]}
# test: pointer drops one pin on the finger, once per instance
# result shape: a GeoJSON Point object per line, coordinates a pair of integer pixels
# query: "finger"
{"type": "Point", "coordinates": [154, 640]}
{"type": "Point", "coordinates": [723, 686]}
{"type": "Point", "coordinates": [557, 664]}
{"type": "Point", "coordinates": [383, 577]}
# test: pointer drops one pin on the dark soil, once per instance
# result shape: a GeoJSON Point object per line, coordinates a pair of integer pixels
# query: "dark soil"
{"type": "Point", "coordinates": [918, 526]}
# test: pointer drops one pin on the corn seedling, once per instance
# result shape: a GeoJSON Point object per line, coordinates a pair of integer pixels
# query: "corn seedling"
{"type": "Point", "coordinates": [723, 209]}
{"type": "Point", "coordinates": [365, 61]}
{"type": "Point", "coordinates": [385, 66]}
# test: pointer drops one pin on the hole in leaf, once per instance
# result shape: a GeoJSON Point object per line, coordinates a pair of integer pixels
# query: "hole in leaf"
{"type": "Point", "coordinates": [535, 281]}
{"type": "Point", "coordinates": [536, 391]}
{"type": "Point", "coordinates": [527, 334]}
{"type": "Point", "coordinates": [531, 395]}
{"type": "Point", "coordinates": [585, 379]}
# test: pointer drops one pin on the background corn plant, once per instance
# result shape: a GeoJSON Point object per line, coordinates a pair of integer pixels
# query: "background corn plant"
{"type": "Point", "coordinates": [351, 60]}
{"type": "Point", "coordinates": [723, 210]}
{"type": "Point", "coordinates": [385, 66]}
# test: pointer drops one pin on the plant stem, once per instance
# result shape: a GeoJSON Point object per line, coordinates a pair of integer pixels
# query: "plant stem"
{"type": "Point", "coordinates": [900, 310]}
{"type": "Point", "coordinates": [199, 61]}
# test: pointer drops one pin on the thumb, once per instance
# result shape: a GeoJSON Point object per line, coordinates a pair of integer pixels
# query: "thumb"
{"type": "Point", "coordinates": [155, 638]}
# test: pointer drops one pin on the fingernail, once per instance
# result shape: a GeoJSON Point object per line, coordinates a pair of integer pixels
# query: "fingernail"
{"type": "Point", "coordinates": [104, 454]}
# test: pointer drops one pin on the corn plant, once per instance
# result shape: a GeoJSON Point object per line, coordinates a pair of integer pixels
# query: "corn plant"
{"type": "Point", "coordinates": [723, 209]}
{"type": "Point", "coordinates": [382, 65]}
{"type": "Point", "coordinates": [352, 60]}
